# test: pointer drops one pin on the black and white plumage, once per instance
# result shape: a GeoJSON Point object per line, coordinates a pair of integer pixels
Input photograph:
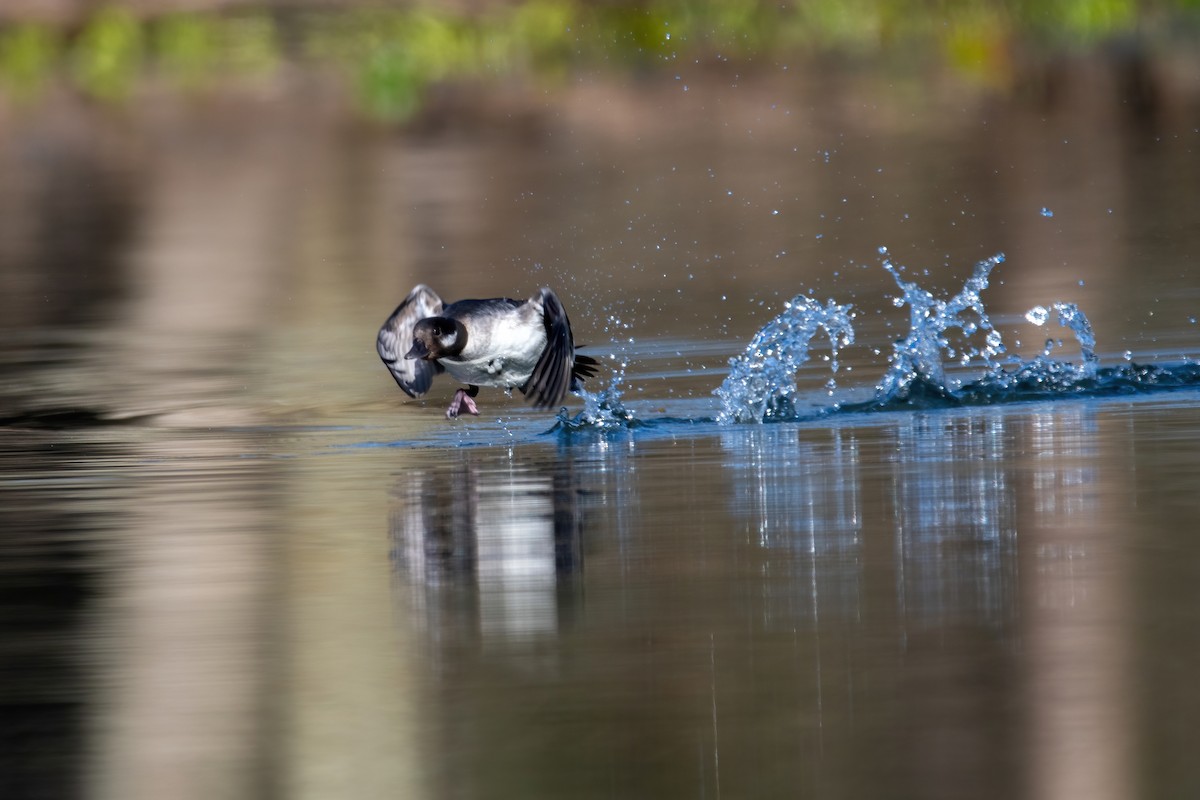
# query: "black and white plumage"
{"type": "Point", "coordinates": [508, 344]}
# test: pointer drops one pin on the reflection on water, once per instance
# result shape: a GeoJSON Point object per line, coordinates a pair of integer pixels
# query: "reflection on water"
{"type": "Point", "coordinates": [134, 596]}
{"type": "Point", "coordinates": [954, 508]}
{"type": "Point", "coordinates": [929, 602]}
{"type": "Point", "coordinates": [184, 619]}
{"type": "Point", "coordinates": [876, 609]}
{"type": "Point", "coordinates": [1079, 633]}
{"type": "Point", "coordinates": [49, 579]}
{"type": "Point", "coordinates": [954, 528]}
{"type": "Point", "coordinates": [908, 607]}
{"type": "Point", "coordinates": [798, 493]}
{"type": "Point", "coordinates": [511, 533]}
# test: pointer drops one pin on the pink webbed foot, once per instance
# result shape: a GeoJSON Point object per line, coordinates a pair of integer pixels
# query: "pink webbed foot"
{"type": "Point", "coordinates": [461, 400]}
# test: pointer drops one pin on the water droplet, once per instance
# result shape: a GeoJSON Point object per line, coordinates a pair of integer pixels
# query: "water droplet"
{"type": "Point", "coordinates": [1045, 212]}
{"type": "Point", "coordinates": [1128, 355]}
{"type": "Point", "coordinates": [1038, 315]}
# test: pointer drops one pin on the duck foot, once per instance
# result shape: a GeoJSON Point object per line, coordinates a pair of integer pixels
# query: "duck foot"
{"type": "Point", "coordinates": [462, 399]}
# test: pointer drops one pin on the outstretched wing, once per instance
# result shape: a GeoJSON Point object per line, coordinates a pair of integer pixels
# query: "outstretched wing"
{"type": "Point", "coordinates": [551, 377]}
{"type": "Point", "coordinates": [414, 376]}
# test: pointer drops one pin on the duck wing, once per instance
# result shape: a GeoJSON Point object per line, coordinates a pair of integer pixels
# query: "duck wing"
{"type": "Point", "coordinates": [415, 375]}
{"type": "Point", "coordinates": [584, 367]}
{"type": "Point", "coordinates": [551, 376]}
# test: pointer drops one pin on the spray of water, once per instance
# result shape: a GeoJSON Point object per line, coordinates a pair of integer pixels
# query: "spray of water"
{"type": "Point", "coordinates": [918, 358]}
{"type": "Point", "coordinates": [942, 331]}
{"type": "Point", "coordinates": [1073, 319]}
{"type": "Point", "coordinates": [1044, 373]}
{"type": "Point", "coordinates": [762, 381]}
{"type": "Point", "coordinates": [602, 410]}
{"type": "Point", "coordinates": [761, 385]}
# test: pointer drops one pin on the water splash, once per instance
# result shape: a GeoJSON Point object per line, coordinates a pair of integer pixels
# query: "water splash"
{"type": "Point", "coordinates": [917, 376]}
{"type": "Point", "coordinates": [602, 410]}
{"type": "Point", "coordinates": [1044, 373]}
{"type": "Point", "coordinates": [942, 332]}
{"type": "Point", "coordinates": [762, 380]}
{"type": "Point", "coordinates": [1072, 318]}
{"type": "Point", "coordinates": [951, 356]}
{"type": "Point", "coordinates": [917, 360]}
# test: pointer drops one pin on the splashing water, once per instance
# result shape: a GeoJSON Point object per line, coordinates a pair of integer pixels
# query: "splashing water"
{"type": "Point", "coordinates": [917, 359]}
{"type": "Point", "coordinates": [1044, 373]}
{"type": "Point", "coordinates": [917, 377]}
{"type": "Point", "coordinates": [1072, 318]}
{"type": "Point", "coordinates": [955, 331]}
{"type": "Point", "coordinates": [761, 381]}
{"type": "Point", "coordinates": [601, 411]}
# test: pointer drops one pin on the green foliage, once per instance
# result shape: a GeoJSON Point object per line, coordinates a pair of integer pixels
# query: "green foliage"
{"type": "Point", "coordinates": [107, 57]}
{"type": "Point", "coordinates": [188, 47]}
{"type": "Point", "coordinates": [391, 54]}
{"type": "Point", "coordinates": [853, 25]}
{"type": "Point", "coordinates": [251, 44]}
{"type": "Point", "coordinates": [633, 35]}
{"type": "Point", "coordinates": [28, 55]}
{"type": "Point", "coordinates": [197, 49]}
{"type": "Point", "coordinates": [543, 31]}
{"type": "Point", "coordinates": [1088, 20]}
{"type": "Point", "coordinates": [975, 42]}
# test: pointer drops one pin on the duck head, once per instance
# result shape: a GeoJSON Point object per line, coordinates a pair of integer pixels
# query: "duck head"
{"type": "Point", "coordinates": [437, 337]}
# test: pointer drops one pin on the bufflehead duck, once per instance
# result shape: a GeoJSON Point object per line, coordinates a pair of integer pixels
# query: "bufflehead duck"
{"type": "Point", "coordinates": [509, 344]}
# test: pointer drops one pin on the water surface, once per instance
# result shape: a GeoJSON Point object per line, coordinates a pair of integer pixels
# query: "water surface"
{"type": "Point", "coordinates": [237, 562]}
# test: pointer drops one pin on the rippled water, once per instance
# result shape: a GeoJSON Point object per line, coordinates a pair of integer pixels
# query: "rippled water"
{"type": "Point", "coordinates": [236, 562]}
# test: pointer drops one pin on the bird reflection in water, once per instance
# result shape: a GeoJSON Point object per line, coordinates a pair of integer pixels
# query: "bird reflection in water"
{"type": "Point", "coordinates": [490, 545]}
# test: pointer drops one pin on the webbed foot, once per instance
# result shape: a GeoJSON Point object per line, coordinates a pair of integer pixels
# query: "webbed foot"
{"type": "Point", "coordinates": [462, 399]}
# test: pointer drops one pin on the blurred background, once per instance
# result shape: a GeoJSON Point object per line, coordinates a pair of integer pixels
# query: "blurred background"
{"type": "Point", "coordinates": [684, 150]}
{"type": "Point", "coordinates": [208, 589]}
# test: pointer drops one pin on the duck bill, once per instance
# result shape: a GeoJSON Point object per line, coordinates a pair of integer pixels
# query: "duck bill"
{"type": "Point", "coordinates": [419, 350]}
